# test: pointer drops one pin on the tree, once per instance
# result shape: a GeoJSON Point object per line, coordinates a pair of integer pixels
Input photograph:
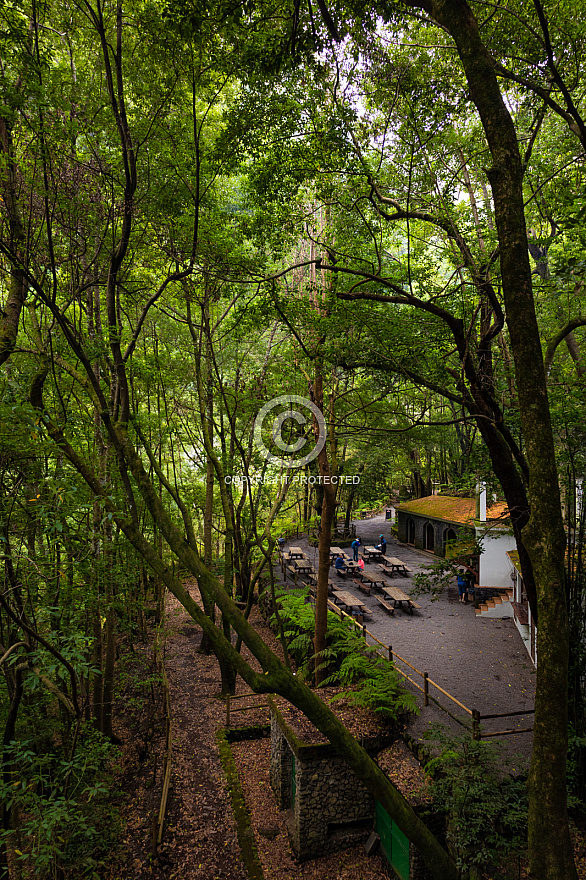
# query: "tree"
{"type": "Point", "coordinates": [540, 530]}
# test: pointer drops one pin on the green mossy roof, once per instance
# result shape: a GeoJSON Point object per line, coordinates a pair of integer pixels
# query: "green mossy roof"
{"type": "Point", "coordinates": [450, 509]}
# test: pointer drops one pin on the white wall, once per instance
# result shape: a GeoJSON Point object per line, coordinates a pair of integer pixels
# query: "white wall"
{"type": "Point", "coordinates": [495, 568]}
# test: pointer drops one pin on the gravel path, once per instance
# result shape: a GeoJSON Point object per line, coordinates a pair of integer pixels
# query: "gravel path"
{"type": "Point", "coordinates": [480, 661]}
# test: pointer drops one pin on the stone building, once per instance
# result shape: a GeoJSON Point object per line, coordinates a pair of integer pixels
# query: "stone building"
{"type": "Point", "coordinates": [431, 523]}
{"type": "Point", "coordinates": [329, 807]}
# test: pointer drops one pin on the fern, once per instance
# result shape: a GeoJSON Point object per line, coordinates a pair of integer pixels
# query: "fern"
{"type": "Point", "coordinates": [371, 681]}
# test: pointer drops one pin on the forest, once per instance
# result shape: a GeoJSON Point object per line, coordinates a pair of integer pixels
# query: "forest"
{"type": "Point", "coordinates": [210, 212]}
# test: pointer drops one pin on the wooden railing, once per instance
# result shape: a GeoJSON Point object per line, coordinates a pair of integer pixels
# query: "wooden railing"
{"type": "Point", "coordinates": [475, 716]}
{"type": "Point", "coordinates": [167, 760]}
{"type": "Point", "coordinates": [230, 710]}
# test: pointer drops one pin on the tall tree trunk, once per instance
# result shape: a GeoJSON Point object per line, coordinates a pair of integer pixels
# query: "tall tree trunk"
{"type": "Point", "coordinates": [328, 512]}
{"type": "Point", "coordinates": [209, 606]}
{"type": "Point", "coordinates": [17, 287]}
{"type": "Point", "coordinates": [110, 654]}
{"type": "Point", "coordinates": [550, 849]}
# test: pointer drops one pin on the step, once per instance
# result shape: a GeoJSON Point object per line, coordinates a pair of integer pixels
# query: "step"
{"type": "Point", "coordinates": [489, 603]}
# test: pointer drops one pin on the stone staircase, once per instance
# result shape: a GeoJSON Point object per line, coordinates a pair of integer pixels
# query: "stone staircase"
{"type": "Point", "coordinates": [497, 606]}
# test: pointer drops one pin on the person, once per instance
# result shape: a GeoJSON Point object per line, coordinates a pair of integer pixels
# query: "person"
{"type": "Point", "coordinates": [361, 564]}
{"type": "Point", "coordinates": [340, 566]}
{"type": "Point", "coordinates": [382, 546]}
{"type": "Point", "coordinates": [355, 545]}
{"type": "Point", "coordinates": [462, 587]}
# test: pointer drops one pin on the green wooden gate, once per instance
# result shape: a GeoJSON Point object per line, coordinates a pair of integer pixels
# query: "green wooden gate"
{"type": "Point", "coordinates": [394, 844]}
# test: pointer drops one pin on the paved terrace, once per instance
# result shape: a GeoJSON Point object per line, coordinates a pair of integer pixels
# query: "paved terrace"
{"type": "Point", "coordinates": [480, 661]}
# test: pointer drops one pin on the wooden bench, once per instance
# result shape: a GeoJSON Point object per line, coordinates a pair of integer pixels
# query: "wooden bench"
{"type": "Point", "coordinates": [342, 574]}
{"type": "Point", "coordinates": [385, 605]}
{"type": "Point", "coordinates": [364, 588]}
{"type": "Point", "coordinates": [313, 587]}
{"type": "Point", "coordinates": [397, 565]}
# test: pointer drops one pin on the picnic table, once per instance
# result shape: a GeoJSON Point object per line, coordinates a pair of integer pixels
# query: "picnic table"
{"type": "Point", "coordinates": [303, 567]}
{"type": "Point", "coordinates": [397, 565]}
{"type": "Point", "coordinates": [372, 551]}
{"type": "Point", "coordinates": [296, 553]}
{"type": "Point", "coordinates": [336, 551]}
{"type": "Point", "coordinates": [353, 567]}
{"type": "Point", "coordinates": [370, 578]}
{"type": "Point", "coordinates": [350, 601]}
{"type": "Point", "coordinates": [400, 598]}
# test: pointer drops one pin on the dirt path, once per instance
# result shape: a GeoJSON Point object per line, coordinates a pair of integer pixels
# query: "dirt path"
{"type": "Point", "coordinates": [201, 836]}
{"type": "Point", "coordinates": [200, 839]}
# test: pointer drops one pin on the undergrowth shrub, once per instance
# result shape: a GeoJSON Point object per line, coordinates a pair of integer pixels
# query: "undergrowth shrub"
{"type": "Point", "coordinates": [66, 820]}
{"type": "Point", "coordinates": [485, 808]}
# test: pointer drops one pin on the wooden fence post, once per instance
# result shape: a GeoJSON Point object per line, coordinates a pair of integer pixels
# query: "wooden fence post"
{"type": "Point", "coordinates": [390, 654]}
{"type": "Point", "coordinates": [425, 689]}
{"type": "Point", "coordinates": [476, 725]}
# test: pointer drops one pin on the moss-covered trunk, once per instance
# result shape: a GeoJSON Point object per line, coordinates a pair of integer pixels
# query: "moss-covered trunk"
{"type": "Point", "coordinates": [550, 850]}
{"type": "Point", "coordinates": [17, 287]}
{"type": "Point", "coordinates": [275, 677]}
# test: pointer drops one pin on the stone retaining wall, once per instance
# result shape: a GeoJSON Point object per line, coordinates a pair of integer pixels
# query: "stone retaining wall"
{"type": "Point", "coordinates": [330, 807]}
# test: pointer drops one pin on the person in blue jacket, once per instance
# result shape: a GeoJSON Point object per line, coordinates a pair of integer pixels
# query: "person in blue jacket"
{"type": "Point", "coordinates": [382, 546]}
{"type": "Point", "coordinates": [340, 566]}
{"type": "Point", "coordinates": [355, 545]}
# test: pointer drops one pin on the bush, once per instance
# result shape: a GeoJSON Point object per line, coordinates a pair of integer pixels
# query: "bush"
{"type": "Point", "coordinates": [485, 810]}
{"type": "Point", "coordinates": [67, 822]}
{"type": "Point", "coordinates": [376, 684]}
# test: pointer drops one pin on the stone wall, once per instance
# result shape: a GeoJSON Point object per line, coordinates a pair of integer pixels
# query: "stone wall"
{"type": "Point", "coordinates": [331, 808]}
{"type": "Point", "coordinates": [280, 769]}
{"type": "Point", "coordinates": [440, 529]}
